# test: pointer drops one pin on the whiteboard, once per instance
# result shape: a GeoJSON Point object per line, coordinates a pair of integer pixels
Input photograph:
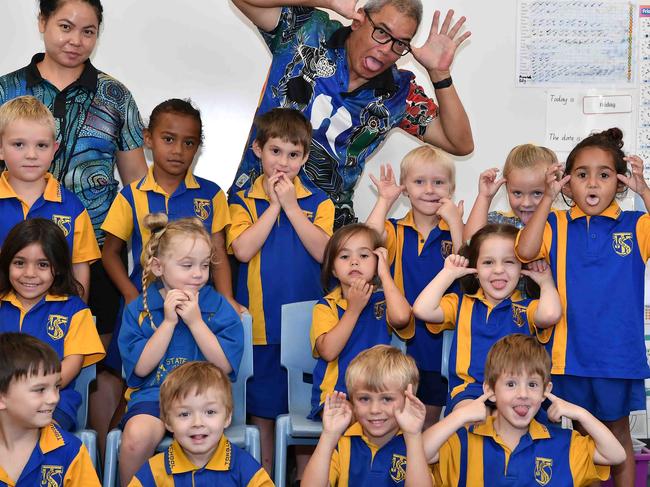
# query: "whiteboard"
{"type": "Point", "coordinates": [207, 50]}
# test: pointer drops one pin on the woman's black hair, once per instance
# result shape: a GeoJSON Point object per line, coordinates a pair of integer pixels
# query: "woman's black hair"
{"type": "Point", "coordinates": [176, 105]}
{"type": "Point", "coordinates": [48, 7]}
{"type": "Point", "coordinates": [52, 240]}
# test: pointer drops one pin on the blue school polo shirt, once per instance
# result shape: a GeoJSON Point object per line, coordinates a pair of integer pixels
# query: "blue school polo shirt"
{"type": "Point", "coordinates": [56, 204]}
{"type": "Point", "coordinates": [230, 466]}
{"type": "Point", "coordinates": [283, 257]}
{"type": "Point", "coordinates": [476, 457]}
{"type": "Point", "coordinates": [63, 322]}
{"type": "Point", "coordinates": [479, 325]}
{"type": "Point", "coordinates": [357, 462]}
{"type": "Point", "coordinates": [95, 117]}
{"type": "Point", "coordinates": [59, 459]}
{"type": "Point", "coordinates": [137, 329]}
{"type": "Point", "coordinates": [195, 196]}
{"type": "Point", "coordinates": [414, 263]}
{"type": "Point", "coordinates": [309, 72]}
{"type": "Point", "coordinates": [372, 328]}
{"type": "Point", "coordinates": [598, 264]}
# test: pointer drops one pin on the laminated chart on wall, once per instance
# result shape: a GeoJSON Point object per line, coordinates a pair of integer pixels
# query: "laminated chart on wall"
{"type": "Point", "coordinates": [562, 43]}
{"type": "Point", "coordinates": [643, 128]}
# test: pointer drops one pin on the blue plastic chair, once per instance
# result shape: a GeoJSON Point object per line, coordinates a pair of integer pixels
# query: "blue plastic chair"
{"type": "Point", "coordinates": [447, 338]}
{"type": "Point", "coordinates": [239, 433]}
{"type": "Point", "coordinates": [82, 386]}
{"type": "Point", "coordinates": [295, 355]}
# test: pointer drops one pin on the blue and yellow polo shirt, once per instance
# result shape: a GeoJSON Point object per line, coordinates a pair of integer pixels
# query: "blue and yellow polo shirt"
{"type": "Point", "coordinates": [479, 325]}
{"type": "Point", "coordinates": [195, 196]}
{"type": "Point", "coordinates": [63, 322]}
{"type": "Point", "coordinates": [59, 459]}
{"type": "Point", "coordinates": [283, 256]}
{"type": "Point", "coordinates": [357, 462]}
{"type": "Point", "coordinates": [598, 264]}
{"type": "Point", "coordinates": [230, 466]}
{"type": "Point", "coordinates": [95, 117]}
{"type": "Point", "coordinates": [414, 263]}
{"type": "Point", "coordinates": [137, 328]}
{"type": "Point", "coordinates": [476, 456]}
{"type": "Point", "coordinates": [372, 328]}
{"type": "Point", "coordinates": [56, 204]}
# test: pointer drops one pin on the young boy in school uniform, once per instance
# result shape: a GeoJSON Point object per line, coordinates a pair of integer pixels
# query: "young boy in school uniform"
{"type": "Point", "coordinates": [27, 190]}
{"type": "Point", "coordinates": [279, 230]}
{"type": "Point", "coordinates": [470, 447]}
{"type": "Point", "coordinates": [33, 449]}
{"type": "Point", "coordinates": [383, 448]}
{"type": "Point", "coordinates": [196, 406]}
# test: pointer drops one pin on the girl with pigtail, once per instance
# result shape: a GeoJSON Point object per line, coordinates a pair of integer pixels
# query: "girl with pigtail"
{"type": "Point", "coordinates": [177, 318]}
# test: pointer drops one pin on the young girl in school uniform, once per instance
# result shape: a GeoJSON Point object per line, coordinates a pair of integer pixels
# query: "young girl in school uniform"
{"type": "Point", "coordinates": [488, 308]}
{"type": "Point", "coordinates": [597, 253]}
{"type": "Point", "coordinates": [177, 318]}
{"type": "Point", "coordinates": [356, 314]}
{"type": "Point", "coordinates": [39, 296]}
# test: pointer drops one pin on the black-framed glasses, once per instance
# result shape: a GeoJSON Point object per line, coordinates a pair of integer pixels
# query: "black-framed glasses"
{"type": "Point", "coordinates": [380, 36]}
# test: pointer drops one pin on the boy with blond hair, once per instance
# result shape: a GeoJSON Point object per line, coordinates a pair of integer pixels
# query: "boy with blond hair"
{"type": "Point", "coordinates": [417, 247]}
{"type": "Point", "coordinates": [28, 190]}
{"type": "Point", "coordinates": [33, 449]}
{"type": "Point", "coordinates": [384, 445]}
{"type": "Point", "coordinates": [196, 406]}
{"type": "Point", "coordinates": [470, 447]}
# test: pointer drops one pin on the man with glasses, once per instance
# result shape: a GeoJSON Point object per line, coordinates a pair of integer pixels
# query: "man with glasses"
{"type": "Point", "coordinates": [345, 81]}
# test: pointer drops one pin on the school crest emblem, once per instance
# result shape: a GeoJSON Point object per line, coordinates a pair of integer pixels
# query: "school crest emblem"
{"type": "Point", "coordinates": [380, 310]}
{"type": "Point", "coordinates": [63, 222]}
{"type": "Point", "coordinates": [202, 208]}
{"type": "Point", "coordinates": [622, 243]}
{"type": "Point", "coordinates": [55, 325]}
{"type": "Point", "coordinates": [398, 468]}
{"type": "Point", "coordinates": [51, 475]}
{"type": "Point", "coordinates": [543, 470]}
{"type": "Point", "coordinates": [446, 248]}
{"type": "Point", "coordinates": [518, 313]}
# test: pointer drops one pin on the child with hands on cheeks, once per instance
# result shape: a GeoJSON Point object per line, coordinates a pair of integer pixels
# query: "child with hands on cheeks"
{"type": "Point", "coordinates": [384, 445]}
{"type": "Point", "coordinates": [514, 448]}
{"type": "Point", "coordinates": [598, 256]}
{"type": "Point", "coordinates": [179, 317]}
{"type": "Point", "coordinates": [417, 246]}
{"type": "Point", "coordinates": [355, 315]}
{"type": "Point", "coordinates": [488, 307]}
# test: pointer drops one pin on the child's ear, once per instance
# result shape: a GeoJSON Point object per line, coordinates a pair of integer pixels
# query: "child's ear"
{"type": "Point", "coordinates": [147, 138]}
{"type": "Point", "coordinates": [228, 420]}
{"type": "Point", "coordinates": [548, 388]}
{"type": "Point", "coordinates": [3, 402]}
{"type": "Point", "coordinates": [156, 267]}
{"type": "Point", "coordinates": [257, 150]}
{"type": "Point", "coordinates": [488, 390]}
{"type": "Point", "coordinates": [566, 191]}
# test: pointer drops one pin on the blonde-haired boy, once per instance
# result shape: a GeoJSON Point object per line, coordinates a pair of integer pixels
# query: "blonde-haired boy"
{"type": "Point", "coordinates": [384, 445]}
{"type": "Point", "coordinates": [196, 406]}
{"type": "Point", "coordinates": [472, 448]}
{"type": "Point", "coordinates": [417, 247]}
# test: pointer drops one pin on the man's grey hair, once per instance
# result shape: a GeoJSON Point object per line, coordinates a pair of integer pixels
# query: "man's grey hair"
{"type": "Point", "coordinates": [410, 8]}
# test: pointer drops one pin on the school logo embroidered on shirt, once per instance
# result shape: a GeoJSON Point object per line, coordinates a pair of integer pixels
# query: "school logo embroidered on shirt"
{"type": "Point", "coordinates": [543, 470]}
{"type": "Point", "coordinates": [63, 222]}
{"type": "Point", "coordinates": [518, 313]}
{"type": "Point", "coordinates": [398, 468]}
{"type": "Point", "coordinates": [202, 208]}
{"type": "Point", "coordinates": [622, 243]}
{"type": "Point", "coordinates": [51, 475]}
{"type": "Point", "coordinates": [380, 310]}
{"type": "Point", "coordinates": [445, 248]}
{"type": "Point", "coordinates": [55, 324]}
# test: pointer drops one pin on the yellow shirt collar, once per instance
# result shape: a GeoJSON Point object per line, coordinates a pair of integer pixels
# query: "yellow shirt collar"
{"type": "Point", "coordinates": [409, 221]}
{"type": "Point", "coordinates": [336, 298]}
{"type": "Point", "coordinates": [51, 439]}
{"type": "Point", "coordinates": [536, 430]}
{"type": "Point", "coordinates": [11, 297]}
{"type": "Point", "coordinates": [149, 182]}
{"type": "Point", "coordinates": [480, 295]}
{"type": "Point", "coordinates": [612, 211]}
{"type": "Point", "coordinates": [52, 188]}
{"type": "Point", "coordinates": [257, 191]}
{"type": "Point", "coordinates": [179, 463]}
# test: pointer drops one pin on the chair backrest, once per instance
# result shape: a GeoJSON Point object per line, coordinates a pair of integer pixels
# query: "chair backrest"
{"type": "Point", "coordinates": [397, 342]}
{"type": "Point", "coordinates": [295, 353]}
{"type": "Point", "coordinates": [447, 338]}
{"type": "Point", "coordinates": [82, 385]}
{"type": "Point", "coordinates": [245, 372]}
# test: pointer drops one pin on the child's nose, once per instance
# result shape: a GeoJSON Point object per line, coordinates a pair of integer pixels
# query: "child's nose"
{"type": "Point", "coordinates": [53, 396]}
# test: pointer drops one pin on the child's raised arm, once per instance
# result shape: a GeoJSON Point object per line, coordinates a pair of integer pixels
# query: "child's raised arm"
{"type": "Point", "coordinates": [549, 308]}
{"type": "Point", "coordinates": [488, 185]}
{"type": "Point", "coordinates": [531, 236]}
{"type": "Point", "coordinates": [453, 215]}
{"type": "Point", "coordinates": [388, 191]}
{"type": "Point", "coordinates": [398, 310]}
{"type": "Point", "coordinates": [636, 182]}
{"type": "Point", "coordinates": [427, 305]}
{"type": "Point", "coordinates": [608, 450]}
{"type": "Point", "coordinates": [336, 419]}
